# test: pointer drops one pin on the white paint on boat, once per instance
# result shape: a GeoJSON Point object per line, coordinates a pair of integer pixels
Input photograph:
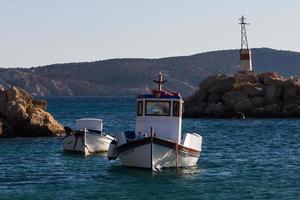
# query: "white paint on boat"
{"type": "Point", "coordinates": [88, 137]}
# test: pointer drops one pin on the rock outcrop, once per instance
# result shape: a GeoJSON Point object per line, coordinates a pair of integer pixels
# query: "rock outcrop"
{"type": "Point", "coordinates": [250, 94]}
{"type": "Point", "coordinates": [23, 116]}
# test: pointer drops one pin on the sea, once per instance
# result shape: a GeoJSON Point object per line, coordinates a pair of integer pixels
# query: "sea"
{"type": "Point", "coordinates": [240, 159]}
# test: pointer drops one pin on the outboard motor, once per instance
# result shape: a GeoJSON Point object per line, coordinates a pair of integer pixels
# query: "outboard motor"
{"type": "Point", "coordinates": [112, 150]}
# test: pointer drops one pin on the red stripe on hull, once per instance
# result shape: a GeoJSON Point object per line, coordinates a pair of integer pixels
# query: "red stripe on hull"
{"type": "Point", "coordinates": [166, 143]}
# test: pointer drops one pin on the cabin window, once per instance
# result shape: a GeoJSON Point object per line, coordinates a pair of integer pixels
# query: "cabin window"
{"type": "Point", "coordinates": [175, 108]}
{"type": "Point", "coordinates": [158, 108]}
{"type": "Point", "coordinates": [140, 108]}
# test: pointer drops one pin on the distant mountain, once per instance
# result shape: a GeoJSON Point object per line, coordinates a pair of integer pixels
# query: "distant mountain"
{"type": "Point", "coordinates": [135, 75]}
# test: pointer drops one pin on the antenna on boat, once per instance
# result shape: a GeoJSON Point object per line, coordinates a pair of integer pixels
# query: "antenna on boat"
{"type": "Point", "coordinates": [160, 81]}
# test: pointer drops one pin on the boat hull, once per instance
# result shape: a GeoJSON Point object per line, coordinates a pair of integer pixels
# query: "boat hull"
{"type": "Point", "coordinates": [154, 153]}
{"type": "Point", "coordinates": [86, 143]}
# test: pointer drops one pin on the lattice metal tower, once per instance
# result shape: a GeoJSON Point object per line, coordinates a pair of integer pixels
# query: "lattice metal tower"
{"type": "Point", "coordinates": [245, 52]}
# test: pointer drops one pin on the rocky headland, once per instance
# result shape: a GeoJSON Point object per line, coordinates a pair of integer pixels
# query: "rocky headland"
{"type": "Point", "coordinates": [23, 116]}
{"type": "Point", "coordinates": [245, 95]}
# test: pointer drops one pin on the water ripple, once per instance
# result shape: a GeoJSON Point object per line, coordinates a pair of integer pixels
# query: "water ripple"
{"type": "Point", "coordinates": [241, 159]}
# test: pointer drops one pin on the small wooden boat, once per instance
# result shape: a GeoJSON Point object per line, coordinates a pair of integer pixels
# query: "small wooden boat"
{"type": "Point", "coordinates": [87, 138]}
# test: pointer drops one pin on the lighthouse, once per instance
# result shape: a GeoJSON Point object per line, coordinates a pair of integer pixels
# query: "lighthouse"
{"type": "Point", "coordinates": [245, 52]}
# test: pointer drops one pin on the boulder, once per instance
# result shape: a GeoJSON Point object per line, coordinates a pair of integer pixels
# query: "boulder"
{"type": "Point", "coordinates": [27, 116]}
{"type": "Point", "coordinates": [14, 113]}
{"type": "Point", "coordinates": [194, 111]}
{"type": "Point", "coordinates": [291, 95]}
{"type": "Point", "coordinates": [272, 78]}
{"type": "Point", "coordinates": [272, 110]}
{"type": "Point", "coordinates": [258, 112]}
{"type": "Point", "coordinates": [41, 123]}
{"type": "Point", "coordinates": [215, 110]}
{"type": "Point", "coordinates": [210, 109]}
{"type": "Point", "coordinates": [246, 78]}
{"type": "Point", "coordinates": [254, 95]}
{"type": "Point", "coordinates": [213, 98]}
{"type": "Point", "coordinates": [291, 110]}
{"type": "Point", "coordinates": [294, 81]}
{"type": "Point", "coordinates": [41, 103]}
{"type": "Point", "coordinates": [198, 97]}
{"type": "Point", "coordinates": [244, 106]}
{"type": "Point", "coordinates": [272, 94]}
{"type": "Point", "coordinates": [208, 82]}
{"type": "Point", "coordinates": [2, 94]}
{"type": "Point", "coordinates": [5, 129]}
{"type": "Point", "coordinates": [252, 89]}
{"type": "Point", "coordinates": [291, 91]}
{"type": "Point", "coordinates": [221, 85]}
{"type": "Point", "coordinates": [15, 93]}
{"type": "Point", "coordinates": [221, 110]}
{"type": "Point", "coordinates": [257, 102]}
{"type": "Point", "coordinates": [233, 97]}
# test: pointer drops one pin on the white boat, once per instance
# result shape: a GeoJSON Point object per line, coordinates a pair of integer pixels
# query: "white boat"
{"type": "Point", "coordinates": [157, 141]}
{"type": "Point", "coordinates": [88, 137]}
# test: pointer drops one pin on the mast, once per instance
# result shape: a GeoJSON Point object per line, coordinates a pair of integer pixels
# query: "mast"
{"type": "Point", "coordinates": [245, 52]}
{"type": "Point", "coordinates": [244, 40]}
{"type": "Point", "coordinates": [160, 81]}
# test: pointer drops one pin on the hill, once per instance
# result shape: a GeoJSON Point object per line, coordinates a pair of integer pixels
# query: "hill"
{"type": "Point", "coordinates": [130, 76]}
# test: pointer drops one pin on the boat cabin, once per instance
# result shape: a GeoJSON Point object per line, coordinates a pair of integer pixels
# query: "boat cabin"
{"type": "Point", "coordinates": [160, 114]}
{"type": "Point", "coordinates": [92, 124]}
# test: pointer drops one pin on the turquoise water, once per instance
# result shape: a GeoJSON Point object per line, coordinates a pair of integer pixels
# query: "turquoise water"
{"type": "Point", "coordinates": [241, 159]}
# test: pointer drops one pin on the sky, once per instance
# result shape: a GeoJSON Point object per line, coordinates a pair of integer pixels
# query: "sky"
{"type": "Point", "coordinates": [41, 32]}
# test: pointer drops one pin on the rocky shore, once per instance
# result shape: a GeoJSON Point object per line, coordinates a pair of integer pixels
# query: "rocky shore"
{"type": "Point", "coordinates": [245, 95]}
{"type": "Point", "coordinates": [23, 116]}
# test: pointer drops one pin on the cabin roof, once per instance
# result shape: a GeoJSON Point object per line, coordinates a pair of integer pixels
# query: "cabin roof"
{"type": "Point", "coordinates": [151, 96]}
{"type": "Point", "coordinates": [88, 119]}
